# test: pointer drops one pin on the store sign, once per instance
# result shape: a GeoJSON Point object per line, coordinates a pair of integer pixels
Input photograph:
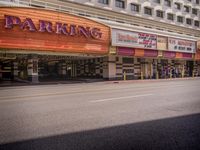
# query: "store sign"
{"type": "Point", "coordinates": [125, 51]}
{"type": "Point", "coordinates": [112, 50]}
{"type": "Point", "coordinates": [187, 55]}
{"type": "Point", "coordinates": [161, 43]}
{"type": "Point", "coordinates": [58, 28]}
{"type": "Point", "coordinates": [150, 53]}
{"type": "Point", "coordinates": [133, 39]}
{"type": "Point", "coordinates": [181, 45]}
{"type": "Point", "coordinates": [32, 29]}
{"type": "Point", "coordinates": [168, 54]}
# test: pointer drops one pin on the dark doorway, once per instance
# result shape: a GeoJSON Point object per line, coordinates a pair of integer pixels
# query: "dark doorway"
{"type": "Point", "coordinates": [189, 67]}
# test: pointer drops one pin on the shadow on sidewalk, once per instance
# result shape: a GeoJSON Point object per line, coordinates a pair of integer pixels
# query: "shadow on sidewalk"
{"type": "Point", "coordinates": [178, 133]}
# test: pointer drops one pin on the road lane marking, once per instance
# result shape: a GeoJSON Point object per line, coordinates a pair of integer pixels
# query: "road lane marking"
{"type": "Point", "coordinates": [16, 98]}
{"type": "Point", "coordinates": [116, 98]}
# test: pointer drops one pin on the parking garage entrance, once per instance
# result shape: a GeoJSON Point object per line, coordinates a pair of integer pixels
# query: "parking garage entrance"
{"type": "Point", "coordinates": [41, 68]}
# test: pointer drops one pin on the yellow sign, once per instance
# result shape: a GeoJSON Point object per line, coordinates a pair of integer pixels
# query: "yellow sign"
{"type": "Point", "coordinates": [160, 53]}
{"type": "Point", "coordinates": [161, 43]}
{"type": "Point", "coordinates": [113, 50]}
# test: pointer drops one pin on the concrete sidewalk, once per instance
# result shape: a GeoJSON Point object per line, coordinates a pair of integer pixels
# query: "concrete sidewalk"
{"type": "Point", "coordinates": [27, 83]}
{"type": "Point", "coordinates": [153, 80]}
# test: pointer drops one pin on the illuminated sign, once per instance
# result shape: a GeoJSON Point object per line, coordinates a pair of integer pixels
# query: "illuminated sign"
{"type": "Point", "coordinates": [133, 39]}
{"type": "Point", "coordinates": [161, 43]}
{"type": "Point", "coordinates": [181, 45]}
{"type": "Point", "coordinates": [58, 28]}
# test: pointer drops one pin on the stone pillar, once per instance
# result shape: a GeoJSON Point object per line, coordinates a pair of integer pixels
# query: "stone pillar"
{"type": "Point", "coordinates": [109, 67]}
{"type": "Point", "coordinates": [64, 69]}
{"type": "Point", "coordinates": [33, 69]}
{"type": "Point", "coordinates": [15, 70]}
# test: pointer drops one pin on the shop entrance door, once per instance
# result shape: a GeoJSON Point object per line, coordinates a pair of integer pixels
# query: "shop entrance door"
{"type": "Point", "coordinates": [6, 70]}
{"type": "Point", "coordinates": [71, 70]}
{"type": "Point", "coordinates": [189, 67]}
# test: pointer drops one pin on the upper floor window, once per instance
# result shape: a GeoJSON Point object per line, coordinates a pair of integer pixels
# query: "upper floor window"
{"type": "Point", "coordinates": [189, 21]}
{"type": "Point", "coordinates": [186, 8]}
{"type": "Point", "coordinates": [135, 7]}
{"type": "Point", "coordinates": [148, 10]}
{"type": "Point", "coordinates": [177, 6]}
{"type": "Point", "coordinates": [120, 3]}
{"type": "Point", "coordinates": [180, 19]}
{"type": "Point", "coordinates": [197, 1]}
{"type": "Point", "coordinates": [168, 3]}
{"type": "Point", "coordinates": [170, 16]}
{"type": "Point", "coordinates": [194, 11]}
{"type": "Point", "coordinates": [160, 13]}
{"type": "Point", "coordinates": [103, 1]}
{"type": "Point", "coordinates": [196, 23]}
{"type": "Point", "coordinates": [157, 1]}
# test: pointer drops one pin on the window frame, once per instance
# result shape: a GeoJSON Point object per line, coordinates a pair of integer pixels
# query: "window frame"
{"type": "Point", "coordinates": [186, 8]}
{"type": "Point", "coordinates": [195, 11]}
{"type": "Point", "coordinates": [167, 3]}
{"type": "Point", "coordinates": [118, 4]}
{"type": "Point", "coordinates": [148, 9]}
{"type": "Point", "coordinates": [190, 21]}
{"type": "Point", "coordinates": [103, 2]}
{"type": "Point", "coordinates": [168, 18]}
{"type": "Point", "coordinates": [178, 5]}
{"type": "Point", "coordinates": [133, 6]}
{"type": "Point", "coordinates": [195, 21]}
{"type": "Point", "coordinates": [157, 1]}
{"type": "Point", "coordinates": [161, 13]}
{"type": "Point", "coordinates": [178, 17]}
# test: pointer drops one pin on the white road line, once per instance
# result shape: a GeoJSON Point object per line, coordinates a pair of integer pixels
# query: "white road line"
{"type": "Point", "coordinates": [116, 98]}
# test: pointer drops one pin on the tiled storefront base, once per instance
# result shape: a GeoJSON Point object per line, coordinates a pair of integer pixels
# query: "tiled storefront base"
{"type": "Point", "coordinates": [133, 68]}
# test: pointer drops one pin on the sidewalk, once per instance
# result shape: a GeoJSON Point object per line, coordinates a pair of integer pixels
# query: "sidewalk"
{"type": "Point", "coordinates": [27, 83]}
{"type": "Point", "coordinates": [153, 80]}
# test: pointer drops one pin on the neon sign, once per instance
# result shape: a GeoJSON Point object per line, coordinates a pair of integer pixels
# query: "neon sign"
{"type": "Point", "coordinates": [47, 26]}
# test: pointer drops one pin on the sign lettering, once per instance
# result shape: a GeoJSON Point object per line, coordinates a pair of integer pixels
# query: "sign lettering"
{"type": "Point", "coordinates": [47, 26]}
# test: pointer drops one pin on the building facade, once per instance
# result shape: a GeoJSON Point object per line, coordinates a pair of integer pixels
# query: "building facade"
{"type": "Point", "coordinates": [135, 39]}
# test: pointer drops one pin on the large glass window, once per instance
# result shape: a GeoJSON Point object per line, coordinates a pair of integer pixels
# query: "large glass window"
{"type": "Point", "coordinates": [194, 11]}
{"type": "Point", "coordinates": [127, 60]}
{"type": "Point", "coordinates": [103, 1]}
{"type": "Point", "coordinates": [147, 10]}
{"type": "Point", "coordinates": [177, 6]}
{"type": "Point", "coordinates": [196, 23]}
{"type": "Point", "coordinates": [168, 3]}
{"type": "Point", "coordinates": [189, 21]}
{"type": "Point", "coordinates": [186, 8]}
{"type": "Point", "coordinates": [170, 16]}
{"type": "Point", "coordinates": [120, 3]}
{"type": "Point", "coordinates": [180, 19]}
{"type": "Point", "coordinates": [135, 7]}
{"type": "Point", "coordinates": [160, 13]}
{"type": "Point", "coordinates": [157, 1]}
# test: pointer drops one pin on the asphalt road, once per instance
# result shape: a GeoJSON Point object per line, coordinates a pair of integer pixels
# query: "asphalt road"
{"type": "Point", "coordinates": [101, 116]}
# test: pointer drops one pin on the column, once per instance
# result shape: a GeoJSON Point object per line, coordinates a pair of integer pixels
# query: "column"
{"type": "Point", "coordinates": [33, 69]}
{"type": "Point", "coordinates": [15, 70]}
{"type": "Point", "coordinates": [64, 69]}
{"type": "Point", "coordinates": [109, 67]}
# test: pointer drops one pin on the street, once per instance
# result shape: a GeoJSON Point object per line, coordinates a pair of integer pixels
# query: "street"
{"type": "Point", "coordinates": [101, 116]}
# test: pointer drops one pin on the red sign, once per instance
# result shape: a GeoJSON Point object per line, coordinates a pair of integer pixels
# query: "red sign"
{"type": "Point", "coordinates": [167, 54]}
{"type": "Point", "coordinates": [125, 51]}
{"type": "Point", "coordinates": [150, 53]}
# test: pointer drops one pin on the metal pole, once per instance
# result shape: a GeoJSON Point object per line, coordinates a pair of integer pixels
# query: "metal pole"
{"type": "Point", "coordinates": [124, 75]}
